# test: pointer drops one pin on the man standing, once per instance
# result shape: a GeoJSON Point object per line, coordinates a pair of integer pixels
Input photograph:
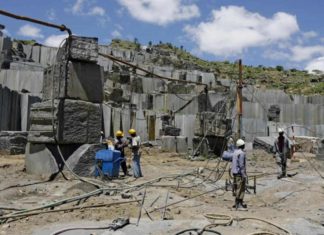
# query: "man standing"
{"type": "Point", "coordinates": [281, 150]}
{"type": "Point", "coordinates": [120, 144]}
{"type": "Point", "coordinates": [239, 174]}
{"type": "Point", "coordinates": [135, 144]}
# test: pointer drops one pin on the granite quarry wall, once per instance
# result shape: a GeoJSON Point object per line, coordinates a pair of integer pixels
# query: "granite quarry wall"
{"type": "Point", "coordinates": [134, 101]}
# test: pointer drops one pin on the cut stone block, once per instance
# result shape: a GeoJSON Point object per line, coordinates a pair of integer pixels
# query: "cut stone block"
{"type": "Point", "coordinates": [169, 143]}
{"type": "Point", "coordinates": [84, 81]}
{"type": "Point", "coordinates": [73, 121]}
{"type": "Point", "coordinates": [84, 48]}
{"type": "Point", "coordinates": [81, 49]}
{"type": "Point", "coordinates": [13, 142]}
{"type": "Point", "coordinates": [39, 160]}
{"type": "Point", "coordinates": [182, 144]}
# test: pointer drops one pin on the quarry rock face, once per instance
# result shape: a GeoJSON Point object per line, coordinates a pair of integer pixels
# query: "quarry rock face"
{"type": "Point", "coordinates": [72, 121]}
{"type": "Point", "coordinates": [210, 123]}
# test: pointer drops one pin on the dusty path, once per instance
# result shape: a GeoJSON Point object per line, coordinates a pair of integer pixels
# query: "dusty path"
{"type": "Point", "coordinates": [294, 203]}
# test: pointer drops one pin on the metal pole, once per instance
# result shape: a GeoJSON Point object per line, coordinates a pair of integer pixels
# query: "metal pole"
{"type": "Point", "coordinates": [239, 100]}
{"type": "Point", "coordinates": [60, 27]}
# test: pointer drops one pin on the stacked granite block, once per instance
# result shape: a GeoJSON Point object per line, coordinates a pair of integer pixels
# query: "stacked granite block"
{"type": "Point", "coordinates": [70, 113]}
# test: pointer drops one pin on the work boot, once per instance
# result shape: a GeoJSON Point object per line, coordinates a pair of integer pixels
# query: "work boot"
{"type": "Point", "coordinates": [240, 207]}
{"type": "Point", "coordinates": [243, 204]}
{"type": "Point", "coordinates": [281, 176]}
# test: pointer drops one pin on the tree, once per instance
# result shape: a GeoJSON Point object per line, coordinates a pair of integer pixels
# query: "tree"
{"type": "Point", "coordinates": [279, 68]}
{"type": "Point", "coordinates": [150, 43]}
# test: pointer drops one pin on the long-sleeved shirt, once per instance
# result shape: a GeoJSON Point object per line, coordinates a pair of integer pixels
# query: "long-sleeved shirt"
{"type": "Point", "coordinates": [239, 163]}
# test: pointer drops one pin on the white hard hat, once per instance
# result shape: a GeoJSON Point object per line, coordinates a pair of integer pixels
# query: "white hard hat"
{"type": "Point", "coordinates": [240, 142]}
{"type": "Point", "coordinates": [280, 130]}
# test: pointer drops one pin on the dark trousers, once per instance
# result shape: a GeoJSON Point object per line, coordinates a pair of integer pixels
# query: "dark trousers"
{"type": "Point", "coordinates": [239, 187]}
{"type": "Point", "coordinates": [124, 166]}
{"type": "Point", "coordinates": [281, 160]}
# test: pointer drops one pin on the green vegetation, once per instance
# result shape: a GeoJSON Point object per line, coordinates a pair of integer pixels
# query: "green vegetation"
{"type": "Point", "coordinates": [124, 44]}
{"type": "Point", "coordinates": [26, 42]}
{"type": "Point", "coordinates": [293, 81]}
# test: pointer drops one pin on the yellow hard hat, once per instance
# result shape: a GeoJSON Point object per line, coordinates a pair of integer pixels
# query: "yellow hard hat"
{"type": "Point", "coordinates": [132, 131]}
{"type": "Point", "coordinates": [119, 134]}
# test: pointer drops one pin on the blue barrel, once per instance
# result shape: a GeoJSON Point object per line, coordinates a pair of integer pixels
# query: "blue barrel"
{"type": "Point", "coordinates": [108, 161]}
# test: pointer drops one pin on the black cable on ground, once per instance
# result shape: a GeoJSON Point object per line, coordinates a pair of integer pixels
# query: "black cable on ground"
{"type": "Point", "coordinates": [198, 231]}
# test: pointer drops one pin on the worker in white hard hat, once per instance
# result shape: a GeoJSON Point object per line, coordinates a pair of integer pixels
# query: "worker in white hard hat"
{"type": "Point", "coordinates": [120, 145]}
{"type": "Point", "coordinates": [281, 149]}
{"type": "Point", "coordinates": [135, 144]}
{"type": "Point", "coordinates": [239, 174]}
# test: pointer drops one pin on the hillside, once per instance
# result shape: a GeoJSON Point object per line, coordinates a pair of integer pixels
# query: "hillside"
{"type": "Point", "coordinates": [293, 81]}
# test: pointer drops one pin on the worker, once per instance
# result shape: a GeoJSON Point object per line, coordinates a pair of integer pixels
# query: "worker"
{"type": "Point", "coordinates": [281, 149]}
{"type": "Point", "coordinates": [135, 143]}
{"type": "Point", "coordinates": [120, 144]}
{"type": "Point", "coordinates": [239, 174]}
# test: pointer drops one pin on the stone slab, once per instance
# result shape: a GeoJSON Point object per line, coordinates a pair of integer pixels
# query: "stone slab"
{"type": "Point", "coordinates": [84, 81]}
{"type": "Point", "coordinates": [182, 144]}
{"type": "Point", "coordinates": [169, 143]}
{"type": "Point", "coordinates": [10, 113]}
{"type": "Point", "coordinates": [22, 80]}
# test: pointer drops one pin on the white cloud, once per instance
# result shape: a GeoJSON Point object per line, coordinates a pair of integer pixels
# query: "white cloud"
{"type": "Point", "coordinates": [55, 40]}
{"type": "Point", "coordinates": [310, 34]}
{"type": "Point", "coordinates": [28, 30]}
{"type": "Point", "coordinates": [99, 11]}
{"type": "Point", "coordinates": [302, 53]}
{"type": "Point", "coordinates": [77, 8]}
{"type": "Point", "coordinates": [316, 64]}
{"type": "Point", "coordinates": [86, 7]}
{"type": "Point", "coordinates": [6, 32]}
{"type": "Point", "coordinates": [160, 12]}
{"type": "Point", "coordinates": [51, 14]}
{"type": "Point", "coordinates": [116, 34]}
{"type": "Point", "coordinates": [233, 29]}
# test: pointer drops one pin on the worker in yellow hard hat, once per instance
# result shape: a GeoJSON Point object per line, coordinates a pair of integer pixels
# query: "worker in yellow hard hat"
{"type": "Point", "coordinates": [135, 144]}
{"type": "Point", "coordinates": [120, 144]}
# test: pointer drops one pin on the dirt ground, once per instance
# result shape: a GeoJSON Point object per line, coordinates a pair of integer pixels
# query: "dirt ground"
{"type": "Point", "coordinates": [295, 203]}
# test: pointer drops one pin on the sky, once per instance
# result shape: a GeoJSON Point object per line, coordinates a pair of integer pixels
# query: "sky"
{"type": "Point", "coordinates": [260, 32]}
